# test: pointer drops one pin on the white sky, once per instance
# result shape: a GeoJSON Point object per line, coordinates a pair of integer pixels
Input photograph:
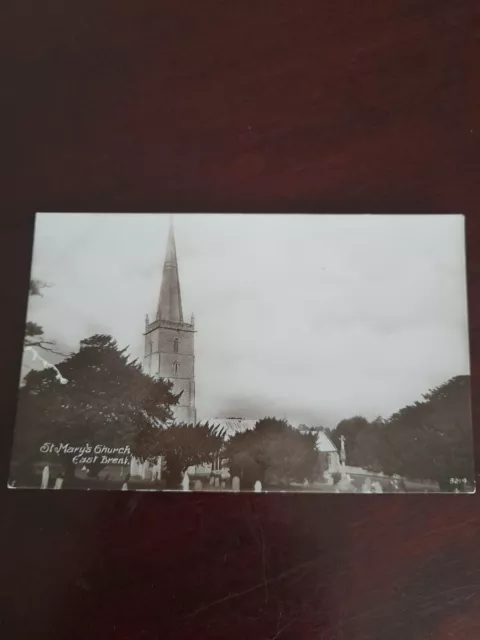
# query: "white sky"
{"type": "Point", "coordinates": [313, 318]}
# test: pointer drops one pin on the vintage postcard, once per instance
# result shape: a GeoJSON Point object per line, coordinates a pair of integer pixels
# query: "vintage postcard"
{"type": "Point", "coordinates": [208, 352]}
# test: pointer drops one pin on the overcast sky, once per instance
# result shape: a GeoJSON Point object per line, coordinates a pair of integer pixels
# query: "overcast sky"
{"type": "Point", "coordinates": [312, 318]}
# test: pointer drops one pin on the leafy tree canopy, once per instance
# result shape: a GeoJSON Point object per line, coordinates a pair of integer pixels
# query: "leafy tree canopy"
{"type": "Point", "coordinates": [429, 439]}
{"type": "Point", "coordinates": [273, 452]}
{"type": "Point", "coordinates": [181, 445]}
{"type": "Point", "coordinates": [106, 399]}
{"type": "Point", "coordinates": [361, 441]}
{"type": "Point", "coordinates": [433, 438]}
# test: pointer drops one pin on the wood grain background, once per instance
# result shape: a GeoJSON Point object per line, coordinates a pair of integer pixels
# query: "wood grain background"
{"type": "Point", "coordinates": [175, 105]}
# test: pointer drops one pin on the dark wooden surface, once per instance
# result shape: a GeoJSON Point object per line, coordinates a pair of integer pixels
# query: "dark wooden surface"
{"type": "Point", "coordinates": [175, 105]}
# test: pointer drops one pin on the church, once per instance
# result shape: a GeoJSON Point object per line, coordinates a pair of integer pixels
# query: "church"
{"type": "Point", "coordinates": [170, 354]}
{"type": "Point", "coordinates": [169, 341]}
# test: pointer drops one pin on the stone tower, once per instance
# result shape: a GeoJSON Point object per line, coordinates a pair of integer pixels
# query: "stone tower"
{"type": "Point", "coordinates": [169, 341]}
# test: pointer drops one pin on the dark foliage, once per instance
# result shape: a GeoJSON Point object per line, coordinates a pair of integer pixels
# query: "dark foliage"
{"type": "Point", "coordinates": [430, 439]}
{"type": "Point", "coordinates": [273, 452]}
{"type": "Point", "coordinates": [181, 446]}
{"type": "Point", "coordinates": [336, 476]}
{"type": "Point", "coordinates": [34, 335]}
{"type": "Point", "coordinates": [105, 400]}
{"type": "Point", "coordinates": [35, 287]}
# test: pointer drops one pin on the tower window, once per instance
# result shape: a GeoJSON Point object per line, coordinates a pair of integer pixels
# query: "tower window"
{"type": "Point", "coordinates": [148, 347]}
{"type": "Point", "coordinates": [175, 345]}
{"type": "Point", "coordinates": [175, 367]}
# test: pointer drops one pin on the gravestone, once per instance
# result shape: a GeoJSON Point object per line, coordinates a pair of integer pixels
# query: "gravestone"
{"type": "Point", "coordinates": [186, 482]}
{"type": "Point", "coordinates": [236, 484]}
{"type": "Point", "coordinates": [258, 486]}
{"type": "Point", "coordinates": [367, 486]}
{"type": "Point", "coordinates": [217, 483]}
{"type": "Point", "coordinates": [377, 487]}
{"type": "Point", "coordinates": [212, 481]}
{"type": "Point", "coordinates": [198, 486]}
{"type": "Point", "coordinates": [223, 484]}
{"type": "Point", "coordinates": [225, 474]}
{"type": "Point", "coordinates": [328, 478]}
{"type": "Point", "coordinates": [345, 484]}
{"type": "Point", "coordinates": [45, 477]}
{"type": "Point", "coordinates": [343, 453]}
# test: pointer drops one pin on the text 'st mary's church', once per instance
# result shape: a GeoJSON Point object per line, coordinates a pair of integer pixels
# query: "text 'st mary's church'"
{"type": "Point", "coordinates": [169, 341]}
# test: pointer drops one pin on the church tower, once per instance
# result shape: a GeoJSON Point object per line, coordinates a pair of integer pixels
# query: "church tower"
{"type": "Point", "coordinates": [169, 341]}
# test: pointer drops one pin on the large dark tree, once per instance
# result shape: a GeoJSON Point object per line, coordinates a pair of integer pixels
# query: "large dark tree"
{"type": "Point", "coordinates": [180, 445]}
{"type": "Point", "coordinates": [97, 395]}
{"type": "Point", "coordinates": [361, 441]}
{"type": "Point", "coordinates": [433, 438]}
{"type": "Point", "coordinates": [273, 452]}
{"type": "Point", "coordinates": [428, 440]}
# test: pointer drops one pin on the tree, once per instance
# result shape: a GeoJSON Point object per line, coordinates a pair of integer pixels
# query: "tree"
{"type": "Point", "coordinates": [34, 335]}
{"type": "Point", "coordinates": [361, 441]}
{"type": "Point", "coordinates": [273, 452]}
{"type": "Point", "coordinates": [430, 439]}
{"type": "Point", "coordinates": [106, 400]}
{"type": "Point", "coordinates": [181, 446]}
{"type": "Point", "coordinates": [433, 439]}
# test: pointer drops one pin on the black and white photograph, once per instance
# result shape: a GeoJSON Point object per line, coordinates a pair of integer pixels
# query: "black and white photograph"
{"type": "Point", "coordinates": [246, 352]}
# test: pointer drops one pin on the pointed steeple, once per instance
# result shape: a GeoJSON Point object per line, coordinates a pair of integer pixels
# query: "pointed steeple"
{"type": "Point", "coordinates": [170, 302]}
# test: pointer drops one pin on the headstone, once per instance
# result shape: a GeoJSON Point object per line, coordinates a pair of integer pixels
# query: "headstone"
{"type": "Point", "coordinates": [198, 486]}
{"type": "Point", "coordinates": [58, 483]}
{"type": "Point", "coordinates": [345, 484]}
{"type": "Point", "coordinates": [258, 487]}
{"type": "Point", "coordinates": [236, 484]}
{"type": "Point", "coordinates": [328, 478]}
{"type": "Point", "coordinates": [186, 483]}
{"type": "Point", "coordinates": [343, 453]}
{"type": "Point", "coordinates": [212, 481]}
{"type": "Point", "coordinates": [45, 477]}
{"type": "Point", "coordinates": [125, 486]}
{"type": "Point", "coordinates": [224, 484]}
{"type": "Point", "coordinates": [377, 487]}
{"type": "Point", "coordinates": [367, 486]}
{"type": "Point", "coordinates": [217, 482]}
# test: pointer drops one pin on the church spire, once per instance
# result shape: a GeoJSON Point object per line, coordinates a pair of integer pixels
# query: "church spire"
{"type": "Point", "coordinates": [170, 302]}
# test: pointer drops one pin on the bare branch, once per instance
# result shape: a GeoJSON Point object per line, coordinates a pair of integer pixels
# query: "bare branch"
{"type": "Point", "coordinates": [43, 344]}
{"type": "Point", "coordinates": [36, 286]}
